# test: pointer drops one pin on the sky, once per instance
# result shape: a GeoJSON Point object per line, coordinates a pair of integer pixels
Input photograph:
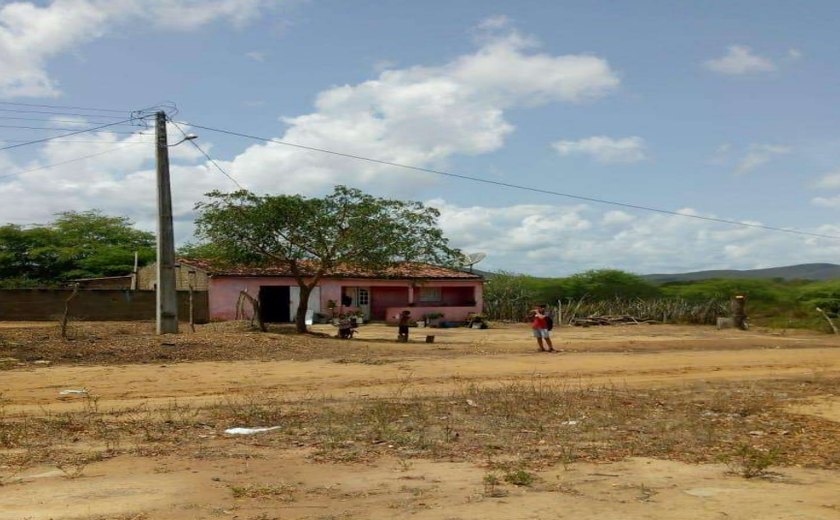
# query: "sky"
{"type": "Point", "coordinates": [726, 110]}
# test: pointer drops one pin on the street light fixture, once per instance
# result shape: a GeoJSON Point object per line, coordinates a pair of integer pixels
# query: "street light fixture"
{"type": "Point", "coordinates": [187, 137]}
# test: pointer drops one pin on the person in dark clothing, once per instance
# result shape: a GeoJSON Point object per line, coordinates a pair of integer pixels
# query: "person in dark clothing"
{"type": "Point", "coordinates": [345, 327]}
{"type": "Point", "coordinates": [402, 334]}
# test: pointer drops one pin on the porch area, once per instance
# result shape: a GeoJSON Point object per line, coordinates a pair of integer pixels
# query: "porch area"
{"type": "Point", "coordinates": [384, 300]}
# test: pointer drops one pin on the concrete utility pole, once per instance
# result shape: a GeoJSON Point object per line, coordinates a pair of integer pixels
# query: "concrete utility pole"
{"type": "Point", "coordinates": [167, 298]}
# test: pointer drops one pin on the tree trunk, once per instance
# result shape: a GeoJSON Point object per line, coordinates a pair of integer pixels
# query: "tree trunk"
{"type": "Point", "coordinates": [303, 306]}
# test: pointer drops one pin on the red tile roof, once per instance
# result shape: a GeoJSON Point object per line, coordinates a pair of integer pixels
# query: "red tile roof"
{"type": "Point", "coordinates": [405, 270]}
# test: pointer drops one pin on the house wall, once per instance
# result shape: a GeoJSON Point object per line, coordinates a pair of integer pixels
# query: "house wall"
{"type": "Point", "coordinates": [450, 313]}
{"type": "Point", "coordinates": [224, 292]}
{"type": "Point", "coordinates": [383, 297]}
{"type": "Point", "coordinates": [147, 278]}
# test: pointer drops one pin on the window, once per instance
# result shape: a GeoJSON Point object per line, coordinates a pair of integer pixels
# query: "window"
{"type": "Point", "coordinates": [364, 297]}
{"type": "Point", "coordinates": [429, 294]}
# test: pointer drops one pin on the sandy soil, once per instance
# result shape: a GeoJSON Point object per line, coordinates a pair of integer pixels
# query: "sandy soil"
{"type": "Point", "coordinates": [165, 487]}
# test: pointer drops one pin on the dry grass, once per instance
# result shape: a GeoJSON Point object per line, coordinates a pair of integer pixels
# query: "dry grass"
{"type": "Point", "coordinates": [282, 491]}
{"type": "Point", "coordinates": [136, 342]}
{"type": "Point", "coordinates": [512, 429]}
{"type": "Point", "coordinates": [112, 343]}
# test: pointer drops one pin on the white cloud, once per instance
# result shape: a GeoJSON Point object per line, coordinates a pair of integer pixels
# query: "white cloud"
{"type": "Point", "coordinates": [381, 66]}
{"type": "Point", "coordinates": [32, 34]}
{"type": "Point", "coordinates": [616, 217]}
{"type": "Point", "coordinates": [542, 239]}
{"type": "Point", "coordinates": [493, 23]}
{"type": "Point", "coordinates": [829, 181]}
{"type": "Point", "coordinates": [255, 56]}
{"type": "Point", "coordinates": [556, 240]}
{"type": "Point", "coordinates": [740, 60]}
{"type": "Point", "coordinates": [605, 149]}
{"type": "Point", "coordinates": [827, 202]}
{"type": "Point", "coordinates": [118, 178]}
{"type": "Point", "coordinates": [758, 155]}
{"type": "Point", "coordinates": [422, 116]}
{"type": "Point", "coordinates": [794, 54]}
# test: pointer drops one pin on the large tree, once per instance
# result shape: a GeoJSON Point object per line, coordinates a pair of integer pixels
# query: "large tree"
{"type": "Point", "coordinates": [74, 245]}
{"type": "Point", "coordinates": [312, 236]}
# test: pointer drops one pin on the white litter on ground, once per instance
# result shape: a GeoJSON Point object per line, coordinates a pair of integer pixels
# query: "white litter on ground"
{"type": "Point", "coordinates": [73, 392]}
{"type": "Point", "coordinates": [249, 431]}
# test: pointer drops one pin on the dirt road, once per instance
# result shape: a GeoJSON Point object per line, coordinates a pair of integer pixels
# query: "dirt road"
{"type": "Point", "coordinates": [623, 356]}
{"type": "Point", "coordinates": [286, 484]}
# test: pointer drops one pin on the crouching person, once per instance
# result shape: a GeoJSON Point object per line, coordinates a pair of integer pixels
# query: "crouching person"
{"type": "Point", "coordinates": [345, 327]}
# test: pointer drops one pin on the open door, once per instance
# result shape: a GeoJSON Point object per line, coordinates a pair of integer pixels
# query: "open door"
{"type": "Point", "coordinates": [274, 303]}
{"type": "Point", "coordinates": [294, 301]}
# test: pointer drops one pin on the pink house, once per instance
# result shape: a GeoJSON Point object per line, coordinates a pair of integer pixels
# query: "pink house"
{"type": "Point", "coordinates": [419, 288]}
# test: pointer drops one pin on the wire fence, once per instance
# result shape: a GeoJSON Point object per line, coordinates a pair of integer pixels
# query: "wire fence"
{"type": "Point", "coordinates": [516, 307]}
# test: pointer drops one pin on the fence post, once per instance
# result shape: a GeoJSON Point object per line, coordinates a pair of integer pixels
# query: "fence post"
{"type": "Point", "coordinates": [67, 310]}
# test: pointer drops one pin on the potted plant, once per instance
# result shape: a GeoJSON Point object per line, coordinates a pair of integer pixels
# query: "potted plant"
{"type": "Point", "coordinates": [433, 319]}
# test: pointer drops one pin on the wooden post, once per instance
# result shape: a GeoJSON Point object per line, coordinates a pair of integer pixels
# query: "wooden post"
{"type": "Point", "coordinates": [739, 311]}
{"type": "Point", "coordinates": [559, 311]}
{"type": "Point", "coordinates": [134, 272]}
{"type": "Point", "coordinates": [192, 312]}
{"type": "Point", "coordinates": [191, 277]}
{"type": "Point", "coordinates": [257, 311]}
{"type": "Point", "coordinates": [833, 327]}
{"type": "Point", "coordinates": [67, 311]}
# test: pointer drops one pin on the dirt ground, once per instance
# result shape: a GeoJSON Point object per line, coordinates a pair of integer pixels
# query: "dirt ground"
{"type": "Point", "coordinates": [204, 473]}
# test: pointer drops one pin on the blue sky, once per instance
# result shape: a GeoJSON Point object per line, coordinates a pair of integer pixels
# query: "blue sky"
{"type": "Point", "coordinates": [720, 109]}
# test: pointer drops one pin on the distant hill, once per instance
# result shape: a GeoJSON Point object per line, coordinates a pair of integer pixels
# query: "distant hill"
{"type": "Point", "coordinates": [792, 272]}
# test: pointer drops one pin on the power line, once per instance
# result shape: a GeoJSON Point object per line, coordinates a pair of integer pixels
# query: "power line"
{"type": "Point", "coordinates": [51, 120]}
{"type": "Point", "coordinates": [90, 109]}
{"type": "Point", "coordinates": [36, 141]}
{"type": "Point", "coordinates": [57, 128]}
{"type": "Point", "coordinates": [78, 142]}
{"type": "Point", "coordinates": [120, 132]}
{"type": "Point", "coordinates": [68, 161]}
{"type": "Point", "coordinates": [192, 142]}
{"type": "Point", "coordinates": [52, 113]}
{"type": "Point", "coordinates": [516, 186]}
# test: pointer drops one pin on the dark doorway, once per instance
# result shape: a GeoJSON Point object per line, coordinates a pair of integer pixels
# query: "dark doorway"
{"type": "Point", "coordinates": [274, 303]}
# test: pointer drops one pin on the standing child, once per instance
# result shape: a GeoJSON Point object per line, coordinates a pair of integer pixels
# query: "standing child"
{"type": "Point", "coordinates": [402, 335]}
{"type": "Point", "coordinates": [541, 328]}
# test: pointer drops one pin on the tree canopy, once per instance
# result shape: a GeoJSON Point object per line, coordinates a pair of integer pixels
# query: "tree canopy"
{"type": "Point", "coordinates": [311, 236]}
{"type": "Point", "coordinates": [600, 284]}
{"type": "Point", "coordinates": [74, 245]}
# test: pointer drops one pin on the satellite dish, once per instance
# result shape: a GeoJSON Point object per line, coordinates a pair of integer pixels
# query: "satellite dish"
{"type": "Point", "coordinates": [470, 259]}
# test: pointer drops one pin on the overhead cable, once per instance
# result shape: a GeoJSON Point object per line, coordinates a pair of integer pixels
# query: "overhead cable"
{"type": "Point", "coordinates": [51, 120]}
{"type": "Point", "coordinates": [45, 139]}
{"type": "Point", "coordinates": [65, 107]}
{"type": "Point", "coordinates": [46, 166]}
{"type": "Point", "coordinates": [53, 113]}
{"type": "Point", "coordinates": [197, 147]}
{"type": "Point", "coordinates": [517, 186]}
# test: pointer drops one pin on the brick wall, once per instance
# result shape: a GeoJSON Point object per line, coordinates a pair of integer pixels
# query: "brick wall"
{"type": "Point", "coordinates": [93, 305]}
